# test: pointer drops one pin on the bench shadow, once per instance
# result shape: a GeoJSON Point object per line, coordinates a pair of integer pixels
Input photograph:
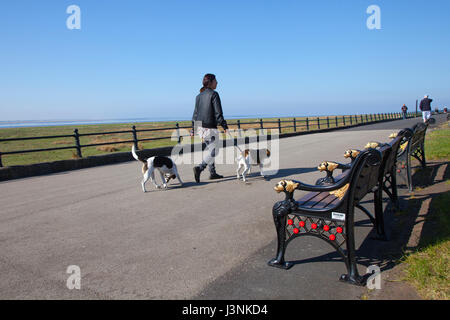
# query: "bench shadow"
{"type": "Point", "coordinates": [422, 177]}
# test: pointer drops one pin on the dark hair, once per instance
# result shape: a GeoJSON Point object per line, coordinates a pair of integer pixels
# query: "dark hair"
{"type": "Point", "coordinates": [207, 80]}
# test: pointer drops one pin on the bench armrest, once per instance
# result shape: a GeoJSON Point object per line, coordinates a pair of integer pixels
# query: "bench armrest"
{"type": "Point", "coordinates": [289, 186]}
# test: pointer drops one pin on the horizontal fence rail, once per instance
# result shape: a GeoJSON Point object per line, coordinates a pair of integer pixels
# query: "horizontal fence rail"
{"type": "Point", "coordinates": [297, 125]}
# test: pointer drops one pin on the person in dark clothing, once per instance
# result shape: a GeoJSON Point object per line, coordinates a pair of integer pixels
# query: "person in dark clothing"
{"type": "Point", "coordinates": [207, 116]}
{"type": "Point", "coordinates": [404, 111]}
{"type": "Point", "coordinates": [425, 107]}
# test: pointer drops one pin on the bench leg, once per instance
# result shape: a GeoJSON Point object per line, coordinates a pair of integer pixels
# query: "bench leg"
{"type": "Point", "coordinates": [408, 172]}
{"type": "Point", "coordinates": [352, 276]}
{"type": "Point", "coordinates": [280, 211]}
{"type": "Point", "coordinates": [379, 219]}
{"type": "Point", "coordinates": [424, 161]}
{"type": "Point", "coordinates": [394, 189]}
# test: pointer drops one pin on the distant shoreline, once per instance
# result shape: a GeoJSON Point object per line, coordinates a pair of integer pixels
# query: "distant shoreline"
{"type": "Point", "coordinates": [51, 123]}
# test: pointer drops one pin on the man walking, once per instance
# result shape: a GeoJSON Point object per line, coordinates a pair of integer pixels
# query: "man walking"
{"type": "Point", "coordinates": [404, 111]}
{"type": "Point", "coordinates": [207, 115]}
{"type": "Point", "coordinates": [425, 107]}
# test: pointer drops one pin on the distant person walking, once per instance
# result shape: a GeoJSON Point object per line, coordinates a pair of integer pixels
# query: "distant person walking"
{"type": "Point", "coordinates": [425, 107]}
{"type": "Point", "coordinates": [207, 116]}
{"type": "Point", "coordinates": [404, 111]}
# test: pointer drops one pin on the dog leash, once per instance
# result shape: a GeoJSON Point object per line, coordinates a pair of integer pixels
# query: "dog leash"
{"type": "Point", "coordinates": [236, 146]}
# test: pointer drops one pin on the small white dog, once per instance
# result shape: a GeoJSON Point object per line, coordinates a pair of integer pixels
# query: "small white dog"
{"type": "Point", "coordinates": [165, 166]}
{"type": "Point", "coordinates": [251, 157]}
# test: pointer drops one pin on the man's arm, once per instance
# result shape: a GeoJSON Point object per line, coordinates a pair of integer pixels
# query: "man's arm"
{"type": "Point", "coordinates": [218, 111]}
{"type": "Point", "coordinates": [194, 117]}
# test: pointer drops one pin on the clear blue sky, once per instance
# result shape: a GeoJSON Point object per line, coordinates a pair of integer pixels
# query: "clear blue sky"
{"type": "Point", "coordinates": [135, 59]}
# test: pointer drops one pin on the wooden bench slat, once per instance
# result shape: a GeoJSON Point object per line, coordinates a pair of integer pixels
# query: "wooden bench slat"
{"type": "Point", "coordinates": [316, 200]}
{"type": "Point", "coordinates": [325, 202]}
{"type": "Point", "coordinates": [307, 198]}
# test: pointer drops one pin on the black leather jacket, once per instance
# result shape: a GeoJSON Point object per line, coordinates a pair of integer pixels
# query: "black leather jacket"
{"type": "Point", "coordinates": [425, 104]}
{"type": "Point", "coordinates": [208, 110]}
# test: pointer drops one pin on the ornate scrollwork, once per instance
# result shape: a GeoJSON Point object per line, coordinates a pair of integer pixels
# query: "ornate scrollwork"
{"type": "Point", "coordinates": [328, 167]}
{"type": "Point", "coordinates": [286, 186]}
{"type": "Point", "coordinates": [352, 154]}
{"type": "Point", "coordinates": [340, 193]}
{"type": "Point", "coordinates": [372, 145]}
{"type": "Point", "coordinates": [393, 135]}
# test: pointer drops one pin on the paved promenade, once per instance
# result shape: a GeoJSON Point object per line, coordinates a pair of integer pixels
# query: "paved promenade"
{"type": "Point", "coordinates": [206, 241]}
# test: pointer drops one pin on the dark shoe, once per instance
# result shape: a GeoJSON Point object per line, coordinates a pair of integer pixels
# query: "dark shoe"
{"type": "Point", "coordinates": [215, 176]}
{"type": "Point", "coordinates": [197, 172]}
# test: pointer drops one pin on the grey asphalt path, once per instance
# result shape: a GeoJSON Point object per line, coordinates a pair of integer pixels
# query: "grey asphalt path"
{"type": "Point", "coordinates": [198, 241]}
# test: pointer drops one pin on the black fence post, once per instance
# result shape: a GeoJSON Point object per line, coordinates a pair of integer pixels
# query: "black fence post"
{"type": "Point", "coordinates": [295, 125]}
{"type": "Point", "coordinates": [343, 120]}
{"type": "Point", "coordinates": [351, 120]}
{"type": "Point", "coordinates": [362, 119]}
{"type": "Point", "coordinates": [77, 143]}
{"type": "Point", "coordinates": [135, 140]}
{"type": "Point", "coordinates": [337, 124]}
{"type": "Point", "coordinates": [279, 125]}
{"type": "Point", "coordinates": [307, 124]}
{"type": "Point", "coordinates": [318, 123]}
{"type": "Point", "coordinates": [1, 164]}
{"type": "Point", "coordinates": [261, 124]}
{"type": "Point", "coordinates": [367, 118]}
{"type": "Point", "coordinates": [328, 122]}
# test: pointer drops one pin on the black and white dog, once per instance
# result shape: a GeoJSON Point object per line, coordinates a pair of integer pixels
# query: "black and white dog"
{"type": "Point", "coordinates": [166, 167]}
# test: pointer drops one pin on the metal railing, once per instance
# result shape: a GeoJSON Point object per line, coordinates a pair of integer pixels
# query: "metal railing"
{"type": "Point", "coordinates": [297, 125]}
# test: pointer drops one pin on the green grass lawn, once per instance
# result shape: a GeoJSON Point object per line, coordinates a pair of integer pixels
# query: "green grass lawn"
{"type": "Point", "coordinates": [437, 143]}
{"type": "Point", "coordinates": [428, 268]}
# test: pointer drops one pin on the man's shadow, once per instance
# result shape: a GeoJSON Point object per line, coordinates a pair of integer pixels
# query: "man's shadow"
{"type": "Point", "coordinates": [286, 172]}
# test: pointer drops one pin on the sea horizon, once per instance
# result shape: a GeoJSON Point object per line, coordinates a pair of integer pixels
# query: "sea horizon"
{"type": "Point", "coordinates": [69, 122]}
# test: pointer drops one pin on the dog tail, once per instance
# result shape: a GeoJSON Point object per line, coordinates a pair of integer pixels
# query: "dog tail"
{"type": "Point", "coordinates": [133, 152]}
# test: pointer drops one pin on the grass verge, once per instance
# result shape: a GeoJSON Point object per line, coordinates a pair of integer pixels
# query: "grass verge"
{"type": "Point", "coordinates": [427, 269]}
{"type": "Point", "coordinates": [437, 143]}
